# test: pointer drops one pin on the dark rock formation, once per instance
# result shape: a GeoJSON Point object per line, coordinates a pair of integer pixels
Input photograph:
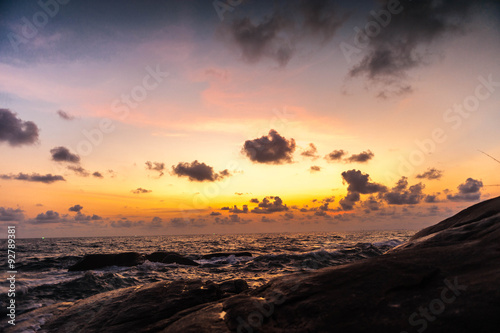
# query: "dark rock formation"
{"type": "Point", "coordinates": [148, 308]}
{"type": "Point", "coordinates": [170, 258]}
{"type": "Point", "coordinates": [445, 279]}
{"type": "Point", "coordinates": [226, 254]}
{"type": "Point", "coordinates": [96, 261]}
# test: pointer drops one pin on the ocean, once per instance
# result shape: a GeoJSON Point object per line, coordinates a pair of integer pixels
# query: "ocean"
{"type": "Point", "coordinates": [43, 277]}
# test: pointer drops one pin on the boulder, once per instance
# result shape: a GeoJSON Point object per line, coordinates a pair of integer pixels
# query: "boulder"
{"type": "Point", "coordinates": [226, 254]}
{"type": "Point", "coordinates": [148, 308]}
{"type": "Point", "coordinates": [96, 261]}
{"type": "Point", "coordinates": [444, 279]}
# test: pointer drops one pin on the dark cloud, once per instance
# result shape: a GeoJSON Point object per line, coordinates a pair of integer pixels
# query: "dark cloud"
{"type": "Point", "coordinates": [371, 204]}
{"type": "Point", "coordinates": [35, 177]}
{"type": "Point", "coordinates": [288, 216]}
{"type": "Point", "coordinates": [314, 168]}
{"type": "Point", "coordinates": [15, 131]}
{"type": "Point", "coordinates": [431, 198]}
{"type": "Point", "coordinates": [271, 149]}
{"type": "Point", "coordinates": [254, 200]}
{"type": "Point", "coordinates": [403, 43]}
{"type": "Point", "coordinates": [141, 190]}
{"type": "Point", "coordinates": [348, 202]}
{"type": "Point", "coordinates": [50, 217]}
{"type": "Point", "coordinates": [266, 206]}
{"type": "Point", "coordinates": [64, 115]}
{"type": "Point", "coordinates": [402, 195]}
{"type": "Point", "coordinates": [199, 172]}
{"type": "Point", "coordinates": [431, 174]}
{"type": "Point", "coordinates": [359, 182]}
{"type": "Point", "coordinates": [179, 222]}
{"type": "Point", "coordinates": [335, 155]}
{"type": "Point", "coordinates": [468, 191]}
{"type": "Point", "coordinates": [265, 219]}
{"type": "Point", "coordinates": [97, 174]}
{"type": "Point", "coordinates": [215, 214]}
{"type": "Point", "coordinates": [156, 166]}
{"type": "Point", "coordinates": [311, 152]}
{"type": "Point", "coordinates": [236, 210]}
{"type": "Point", "coordinates": [362, 157]}
{"type": "Point", "coordinates": [126, 223]}
{"type": "Point", "coordinates": [79, 170]}
{"type": "Point", "coordinates": [62, 154]}
{"type": "Point", "coordinates": [275, 35]}
{"type": "Point", "coordinates": [232, 219]}
{"type": "Point", "coordinates": [75, 208]}
{"type": "Point", "coordinates": [322, 213]}
{"type": "Point", "coordinates": [79, 217]}
{"type": "Point", "coordinates": [11, 215]}
{"type": "Point", "coordinates": [258, 40]}
{"type": "Point", "coordinates": [320, 18]}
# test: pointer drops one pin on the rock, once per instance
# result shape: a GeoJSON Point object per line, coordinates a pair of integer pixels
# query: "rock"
{"type": "Point", "coordinates": [148, 308]}
{"type": "Point", "coordinates": [159, 255]}
{"type": "Point", "coordinates": [226, 254]}
{"type": "Point", "coordinates": [95, 261]}
{"type": "Point", "coordinates": [445, 279]}
{"type": "Point", "coordinates": [177, 259]}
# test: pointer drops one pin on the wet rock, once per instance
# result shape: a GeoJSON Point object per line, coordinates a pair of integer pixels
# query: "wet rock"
{"type": "Point", "coordinates": [226, 254]}
{"type": "Point", "coordinates": [148, 308]}
{"type": "Point", "coordinates": [96, 261]}
{"type": "Point", "coordinates": [445, 279]}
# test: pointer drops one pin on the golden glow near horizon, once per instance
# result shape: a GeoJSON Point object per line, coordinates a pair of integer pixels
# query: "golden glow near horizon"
{"type": "Point", "coordinates": [288, 134]}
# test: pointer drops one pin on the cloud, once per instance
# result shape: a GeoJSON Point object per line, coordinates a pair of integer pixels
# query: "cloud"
{"type": "Point", "coordinates": [254, 200]}
{"type": "Point", "coordinates": [199, 172]}
{"type": "Point", "coordinates": [236, 210]}
{"type": "Point", "coordinates": [50, 217]}
{"type": "Point", "coordinates": [215, 214]}
{"type": "Point", "coordinates": [348, 202]}
{"type": "Point", "coordinates": [97, 174]}
{"type": "Point", "coordinates": [271, 149]}
{"type": "Point", "coordinates": [362, 157]}
{"type": "Point", "coordinates": [35, 177]}
{"type": "Point", "coordinates": [258, 40]}
{"type": "Point", "coordinates": [268, 207]}
{"type": "Point", "coordinates": [314, 168]}
{"type": "Point", "coordinates": [311, 152]}
{"type": "Point", "coordinates": [15, 131]}
{"type": "Point", "coordinates": [335, 155]}
{"type": "Point", "coordinates": [320, 18]}
{"type": "Point", "coordinates": [232, 219]}
{"type": "Point", "coordinates": [156, 166]}
{"type": "Point", "coordinates": [79, 217]}
{"type": "Point", "coordinates": [402, 195]}
{"type": "Point", "coordinates": [402, 44]}
{"type": "Point", "coordinates": [468, 191]}
{"type": "Point", "coordinates": [79, 170]}
{"type": "Point", "coordinates": [64, 115]}
{"type": "Point", "coordinates": [179, 222]}
{"type": "Point", "coordinates": [288, 216]}
{"type": "Point", "coordinates": [360, 183]}
{"type": "Point", "coordinates": [126, 223]}
{"type": "Point", "coordinates": [431, 174]}
{"type": "Point", "coordinates": [371, 204]}
{"type": "Point", "coordinates": [275, 35]}
{"type": "Point", "coordinates": [62, 154]}
{"type": "Point", "coordinates": [75, 208]}
{"type": "Point", "coordinates": [141, 190]}
{"type": "Point", "coordinates": [11, 214]}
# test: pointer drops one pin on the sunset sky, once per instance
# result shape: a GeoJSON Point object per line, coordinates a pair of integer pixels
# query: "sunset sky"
{"type": "Point", "coordinates": [180, 117]}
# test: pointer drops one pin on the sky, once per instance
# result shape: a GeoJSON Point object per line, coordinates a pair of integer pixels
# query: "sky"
{"type": "Point", "coordinates": [122, 118]}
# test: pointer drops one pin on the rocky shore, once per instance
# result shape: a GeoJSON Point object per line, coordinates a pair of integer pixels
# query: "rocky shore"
{"type": "Point", "coordinates": [446, 278]}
